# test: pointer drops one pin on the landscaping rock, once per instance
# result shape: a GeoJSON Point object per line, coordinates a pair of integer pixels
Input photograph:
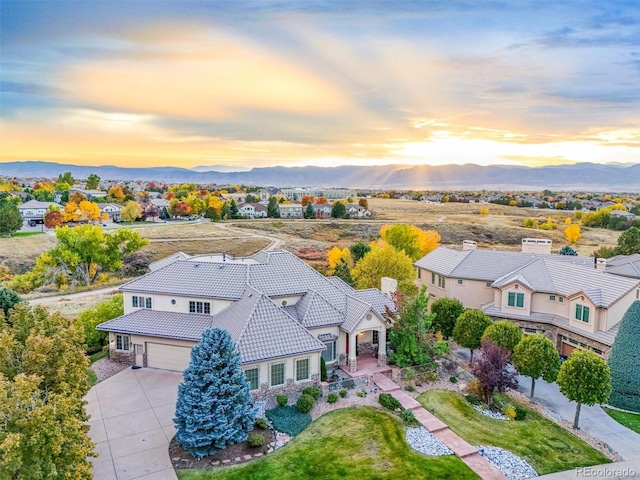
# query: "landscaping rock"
{"type": "Point", "coordinates": [425, 442]}
{"type": "Point", "coordinates": [512, 466]}
{"type": "Point", "coordinates": [490, 413]}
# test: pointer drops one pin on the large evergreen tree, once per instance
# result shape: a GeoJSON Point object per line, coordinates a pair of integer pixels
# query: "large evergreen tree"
{"type": "Point", "coordinates": [8, 300]}
{"type": "Point", "coordinates": [308, 212]}
{"type": "Point", "coordinates": [272, 208]}
{"type": "Point", "coordinates": [10, 218]}
{"type": "Point", "coordinates": [214, 407]}
{"type": "Point", "coordinates": [624, 360]}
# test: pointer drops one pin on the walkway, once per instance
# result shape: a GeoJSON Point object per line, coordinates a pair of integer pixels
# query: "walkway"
{"type": "Point", "coordinates": [131, 423]}
{"type": "Point", "coordinates": [462, 449]}
{"type": "Point", "coordinates": [593, 420]}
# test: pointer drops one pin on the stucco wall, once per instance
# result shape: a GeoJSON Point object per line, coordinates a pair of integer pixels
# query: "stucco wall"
{"type": "Point", "coordinates": [163, 303]}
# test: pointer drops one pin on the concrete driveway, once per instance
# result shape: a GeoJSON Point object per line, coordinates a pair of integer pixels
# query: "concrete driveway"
{"type": "Point", "coordinates": [131, 423]}
{"type": "Point", "coordinates": [593, 420]}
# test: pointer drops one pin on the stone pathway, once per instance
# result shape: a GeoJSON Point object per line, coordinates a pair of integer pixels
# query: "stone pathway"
{"type": "Point", "coordinates": [462, 449]}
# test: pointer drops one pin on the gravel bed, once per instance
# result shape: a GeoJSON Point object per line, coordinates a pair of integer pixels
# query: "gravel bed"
{"type": "Point", "coordinates": [105, 368]}
{"type": "Point", "coordinates": [426, 442]}
{"type": "Point", "coordinates": [352, 399]}
{"type": "Point", "coordinates": [512, 466]}
{"type": "Point", "coordinates": [490, 413]}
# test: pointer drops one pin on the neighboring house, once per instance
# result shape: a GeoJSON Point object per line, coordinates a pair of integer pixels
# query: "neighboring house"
{"type": "Point", "coordinates": [624, 265]}
{"type": "Point", "coordinates": [150, 213]}
{"type": "Point", "coordinates": [34, 211]}
{"type": "Point", "coordinates": [564, 297]}
{"type": "Point", "coordinates": [357, 211]}
{"type": "Point", "coordinates": [111, 209]}
{"type": "Point", "coordinates": [291, 210]}
{"type": "Point", "coordinates": [321, 210]}
{"type": "Point", "coordinates": [282, 314]}
{"type": "Point", "coordinates": [252, 210]}
{"type": "Point", "coordinates": [296, 194]}
{"type": "Point", "coordinates": [266, 193]}
{"type": "Point", "coordinates": [90, 194]}
{"type": "Point", "coordinates": [622, 213]}
{"type": "Point", "coordinates": [160, 202]}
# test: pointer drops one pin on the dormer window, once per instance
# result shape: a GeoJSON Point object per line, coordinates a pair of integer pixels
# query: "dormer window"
{"type": "Point", "coordinates": [515, 299]}
{"type": "Point", "coordinates": [582, 313]}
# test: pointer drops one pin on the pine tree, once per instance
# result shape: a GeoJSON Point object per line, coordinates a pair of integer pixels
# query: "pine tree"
{"type": "Point", "coordinates": [342, 271]}
{"type": "Point", "coordinates": [214, 407]}
{"type": "Point", "coordinates": [624, 360]}
{"type": "Point", "coordinates": [272, 208]}
{"type": "Point", "coordinates": [308, 213]}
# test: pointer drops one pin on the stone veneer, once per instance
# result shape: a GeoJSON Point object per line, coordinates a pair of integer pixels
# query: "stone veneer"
{"type": "Point", "coordinates": [291, 387]}
{"type": "Point", "coordinates": [126, 358]}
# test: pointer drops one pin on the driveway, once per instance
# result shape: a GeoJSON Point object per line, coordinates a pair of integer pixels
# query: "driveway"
{"type": "Point", "coordinates": [131, 423]}
{"type": "Point", "coordinates": [593, 420]}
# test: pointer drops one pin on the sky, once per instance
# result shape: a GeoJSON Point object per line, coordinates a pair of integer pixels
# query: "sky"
{"type": "Point", "coordinates": [251, 84]}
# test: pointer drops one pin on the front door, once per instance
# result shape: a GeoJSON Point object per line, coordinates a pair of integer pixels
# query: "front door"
{"type": "Point", "coordinates": [139, 351]}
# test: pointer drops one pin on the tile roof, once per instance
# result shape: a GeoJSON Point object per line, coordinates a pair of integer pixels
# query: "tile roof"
{"type": "Point", "coordinates": [378, 300]}
{"type": "Point", "coordinates": [486, 265]}
{"type": "Point", "coordinates": [163, 262]}
{"type": "Point", "coordinates": [356, 309]}
{"type": "Point", "coordinates": [624, 265]}
{"type": "Point", "coordinates": [549, 276]}
{"type": "Point", "coordinates": [314, 311]}
{"type": "Point", "coordinates": [183, 326]}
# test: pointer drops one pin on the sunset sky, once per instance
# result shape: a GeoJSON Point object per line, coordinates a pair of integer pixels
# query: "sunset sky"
{"type": "Point", "coordinates": [244, 84]}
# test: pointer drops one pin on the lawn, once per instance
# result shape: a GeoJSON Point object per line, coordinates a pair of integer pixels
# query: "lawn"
{"type": "Point", "coordinates": [629, 420]}
{"type": "Point", "coordinates": [357, 442]}
{"type": "Point", "coordinates": [546, 446]}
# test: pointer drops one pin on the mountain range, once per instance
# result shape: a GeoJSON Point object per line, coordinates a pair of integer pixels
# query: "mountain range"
{"type": "Point", "coordinates": [583, 176]}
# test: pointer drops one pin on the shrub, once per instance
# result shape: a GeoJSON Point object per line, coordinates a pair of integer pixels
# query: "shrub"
{"type": "Point", "coordinates": [388, 401]}
{"type": "Point", "coordinates": [255, 440]}
{"type": "Point", "coordinates": [409, 418]}
{"type": "Point", "coordinates": [473, 399]}
{"type": "Point", "coordinates": [509, 412]}
{"type": "Point", "coordinates": [474, 388]}
{"type": "Point", "coordinates": [362, 394]}
{"type": "Point", "coordinates": [305, 403]}
{"type": "Point", "coordinates": [343, 393]}
{"type": "Point", "coordinates": [431, 376]}
{"type": "Point", "coordinates": [313, 391]}
{"type": "Point", "coordinates": [323, 370]}
{"type": "Point", "coordinates": [410, 388]}
{"type": "Point", "coordinates": [332, 398]}
{"type": "Point", "coordinates": [261, 423]}
{"type": "Point", "coordinates": [282, 400]}
{"type": "Point", "coordinates": [521, 413]}
{"type": "Point", "coordinates": [288, 419]}
{"type": "Point", "coordinates": [453, 379]}
{"type": "Point", "coordinates": [349, 384]}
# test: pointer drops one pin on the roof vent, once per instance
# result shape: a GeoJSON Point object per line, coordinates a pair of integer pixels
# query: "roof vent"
{"type": "Point", "coordinates": [196, 265]}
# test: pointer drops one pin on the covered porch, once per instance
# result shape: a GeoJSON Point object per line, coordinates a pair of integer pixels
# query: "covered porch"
{"type": "Point", "coordinates": [366, 349]}
{"type": "Point", "coordinates": [366, 365]}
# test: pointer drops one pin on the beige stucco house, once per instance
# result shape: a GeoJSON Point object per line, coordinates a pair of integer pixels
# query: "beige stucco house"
{"type": "Point", "coordinates": [283, 315]}
{"type": "Point", "coordinates": [568, 298]}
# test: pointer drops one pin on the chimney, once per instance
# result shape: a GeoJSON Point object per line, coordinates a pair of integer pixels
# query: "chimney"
{"type": "Point", "coordinates": [601, 264]}
{"type": "Point", "coordinates": [536, 245]}
{"type": "Point", "coordinates": [469, 245]}
{"type": "Point", "coordinates": [388, 285]}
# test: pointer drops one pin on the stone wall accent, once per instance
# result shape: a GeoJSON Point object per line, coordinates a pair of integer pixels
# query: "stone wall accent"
{"type": "Point", "coordinates": [367, 349]}
{"type": "Point", "coordinates": [342, 359]}
{"type": "Point", "coordinates": [291, 387]}
{"type": "Point", "coordinates": [126, 358]}
{"type": "Point", "coordinates": [382, 360]}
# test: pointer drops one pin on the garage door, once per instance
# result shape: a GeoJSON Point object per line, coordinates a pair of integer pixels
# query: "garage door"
{"type": "Point", "coordinates": [168, 357]}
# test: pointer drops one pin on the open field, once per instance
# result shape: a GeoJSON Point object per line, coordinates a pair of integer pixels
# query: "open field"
{"type": "Point", "coordinates": [357, 442]}
{"type": "Point", "coordinates": [546, 446]}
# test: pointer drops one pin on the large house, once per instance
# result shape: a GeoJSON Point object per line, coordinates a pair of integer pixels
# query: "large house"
{"type": "Point", "coordinates": [252, 210]}
{"type": "Point", "coordinates": [282, 314]}
{"type": "Point", "coordinates": [568, 298]}
{"type": "Point", "coordinates": [291, 210]}
{"type": "Point", "coordinates": [34, 210]}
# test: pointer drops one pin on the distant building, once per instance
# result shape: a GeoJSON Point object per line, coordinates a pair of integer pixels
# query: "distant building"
{"type": "Point", "coordinates": [252, 210]}
{"type": "Point", "coordinates": [34, 211]}
{"type": "Point", "coordinates": [296, 194]}
{"type": "Point", "coordinates": [291, 210]}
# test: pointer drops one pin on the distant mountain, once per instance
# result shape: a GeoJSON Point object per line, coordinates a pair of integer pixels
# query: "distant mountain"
{"type": "Point", "coordinates": [584, 176]}
{"type": "Point", "coordinates": [219, 168]}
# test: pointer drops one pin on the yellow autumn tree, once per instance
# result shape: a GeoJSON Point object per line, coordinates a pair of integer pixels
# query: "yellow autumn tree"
{"type": "Point", "coordinates": [567, 221]}
{"type": "Point", "coordinates": [336, 255]}
{"type": "Point", "coordinates": [89, 211]}
{"type": "Point", "coordinates": [572, 232]}
{"type": "Point", "coordinates": [71, 212]}
{"type": "Point", "coordinates": [413, 241]}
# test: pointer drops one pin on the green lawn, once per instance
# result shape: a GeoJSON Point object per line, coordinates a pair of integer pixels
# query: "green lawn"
{"type": "Point", "coordinates": [23, 234]}
{"type": "Point", "coordinates": [545, 445]}
{"type": "Point", "coordinates": [357, 442]}
{"type": "Point", "coordinates": [629, 420]}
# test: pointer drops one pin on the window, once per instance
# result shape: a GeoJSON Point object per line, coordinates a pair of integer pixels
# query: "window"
{"type": "Point", "coordinates": [329, 354]}
{"type": "Point", "coordinates": [597, 351]}
{"type": "Point", "coordinates": [200, 307]}
{"type": "Point", "coordinates": [253, 377]}
{"type": "Point", "coordinates": [433, 278]}
{"type": "Point", "coordinates": [277, 374]}
{"type": "Point", "coordinates": [141, 302]}
{"type": "Point", "coordinates": [561, 299]}
{"type": "Point", "coordinates": [440, 281]}
{"type": "Point", "coordinates": [419, 274]}
{"type": "Point", "coordinates": [582, 313]}
{"type": "Point", "coordinates": [488, 284]}
{"type": "Point", "coordinates": [529, 330]}
{"type": "Point", "coordinates": [552, 298]}
{"type": "Point", "coordinates": [122, 342]}
{"type": "Point", "coordinates": [302, 369]}
{"type": "Point", "coordinates": [460, 282]}
{"type": "Point", "coordinates": [515, 299]}
{"type": "Point", "coordinates": [376, 337]}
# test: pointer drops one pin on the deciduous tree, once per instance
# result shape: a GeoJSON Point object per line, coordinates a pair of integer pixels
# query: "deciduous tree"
{"type": "Point", "coordinates": [181, 209]}
{"type": "Point", "coordinates": [408, 238]}
{"type": "Point", "coordinates": [504, 334]}
{"type": "Point", "coordinates": [584, 378]}
{"type": "Point", "coordinates": [383, 262]}
{"type": "Point", "coordinates": [446, 311]}
{"type": "Point", "coordinates": [624, 360]}
{"type": "Point", "coordinates": [10, 219]}
{"type": "Point", "coordinates": [536, 356]}
{"type": "Point", "coordinates": [491, 368]}
{"type": "Point", "coordinates": [131, 211]}
{"type": "Point", "coordinates": [53, 219]}
{"type": "Point", "coordinates": [93, 316]}
{"type": "Point", "coordinates": [470, 327]}
{"type": "Point", "coordinates": [364, 203]}
{"type": "Point", "coordinates": [214, 407]}
{"type": "Point", "coordinates": [572, 232]}
{"type": "Point", "coordinates": [337, 255]}
{"type": "Point", "coordinates": [89, 211]}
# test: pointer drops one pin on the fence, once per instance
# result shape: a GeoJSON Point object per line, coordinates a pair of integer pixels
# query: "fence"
{"type": "Point", "coordinates": [348, 383]}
